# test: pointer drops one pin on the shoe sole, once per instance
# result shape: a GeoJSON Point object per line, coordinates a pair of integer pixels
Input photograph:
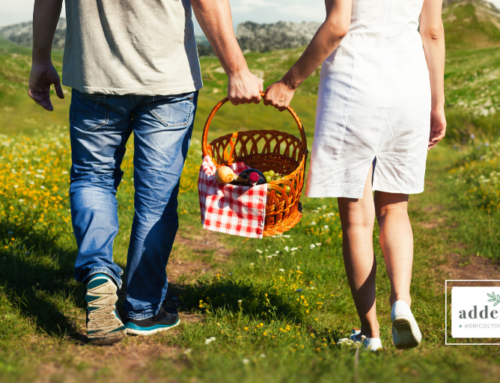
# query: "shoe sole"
{"type": "Point", "coordinates": [131, 331]}
{"type": "Point", "coordinates": [109, 340]}
{"type": "Point", "coordinates": [407, 338]}
{"type": "Point", "coordinates": [101, 339]}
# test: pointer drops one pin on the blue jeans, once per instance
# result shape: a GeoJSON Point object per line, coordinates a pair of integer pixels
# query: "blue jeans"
{"type": "Point", "coordinates": [100, 126]}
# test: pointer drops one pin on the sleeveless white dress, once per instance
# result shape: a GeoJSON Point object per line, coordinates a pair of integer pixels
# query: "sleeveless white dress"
{"type": "Point", "coordinates": [374, 105]}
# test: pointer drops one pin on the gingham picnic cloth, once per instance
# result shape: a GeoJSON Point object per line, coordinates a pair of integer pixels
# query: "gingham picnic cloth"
{"type": "Point", "coordinates": [235, 210]}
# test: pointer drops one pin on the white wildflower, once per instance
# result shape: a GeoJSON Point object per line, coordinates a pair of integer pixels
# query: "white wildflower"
{"type": "Point", "coordinates": [324, 206]}
{"type": "Point", "coordinates": [277, 252]}
{"type": "Point", "coordinates": [318, 244]}
{"type": "Point", "coordinates": [188, 351]}
{"type": "Point", "coordinates": [210, 340]}
{"type": "Point", "coordinates": [312, 246]}
{"type": "Point", "coordinates": [259, 251]}
{"type": "Point", "coordinates": [287, 248]}
{"type": "Point", "coordinates": [246, 361]}
{"type": "Point", "coordinates": [282, 270]}
{"type": "Point", "coordinates": [313, 223]}
{"type": "Point", "coordinates": [262, 355]}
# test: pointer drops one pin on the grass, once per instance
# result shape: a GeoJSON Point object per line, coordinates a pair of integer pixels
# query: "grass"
{"type": "Point", "coordinates": [276, 307]}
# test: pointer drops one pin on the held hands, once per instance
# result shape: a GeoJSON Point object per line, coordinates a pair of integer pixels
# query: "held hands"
{"type": "Point", "coordinates": [438, 127]}
{"type": "Point", "coordinates": [279, 95]}
{"type": "Point", "coordinates": [42, 76]}
{"type": "Point", "coordinates": [244, 88]}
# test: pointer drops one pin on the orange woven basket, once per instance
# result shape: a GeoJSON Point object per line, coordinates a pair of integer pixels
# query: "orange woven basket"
{"type": "Point", "coordinates": [266, 150]}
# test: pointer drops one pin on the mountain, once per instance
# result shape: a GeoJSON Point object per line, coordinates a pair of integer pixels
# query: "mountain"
{"type": "Point", "coordinates": [281, 35]}
{"type": "Point", "coordinates": [22, 34]}
{"type": "Point", "coordinates": [471, 24]}
{"type": "Point", "coordinates": [468, 24]}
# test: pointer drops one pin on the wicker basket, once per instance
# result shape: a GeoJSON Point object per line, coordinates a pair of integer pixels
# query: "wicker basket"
{"type": "Point", "coordinates": [266, 150]}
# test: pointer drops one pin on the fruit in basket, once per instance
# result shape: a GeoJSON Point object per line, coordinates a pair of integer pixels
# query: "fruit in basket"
{"type": "Point", "coordinates": [271, 175]}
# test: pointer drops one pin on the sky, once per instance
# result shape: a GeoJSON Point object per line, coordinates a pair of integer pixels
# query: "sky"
{"type": "Point", "coordinates": [259, 11]}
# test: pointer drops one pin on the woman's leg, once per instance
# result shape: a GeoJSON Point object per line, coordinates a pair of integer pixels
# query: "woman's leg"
{"type": "Point", "coordinates": [396, 240]}
{"type": "Point", "coordinates": [357, 217]}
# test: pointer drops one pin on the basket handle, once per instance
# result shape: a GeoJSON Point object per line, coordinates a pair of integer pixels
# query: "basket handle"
{"type": "Point", "coordinates": [226, 99]}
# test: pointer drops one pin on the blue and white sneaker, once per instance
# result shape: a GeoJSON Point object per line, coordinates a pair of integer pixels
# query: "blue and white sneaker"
{"type": "Point", "coordinates": [162, 321]}
{"type": "Point", "coordinates": [104, 325]}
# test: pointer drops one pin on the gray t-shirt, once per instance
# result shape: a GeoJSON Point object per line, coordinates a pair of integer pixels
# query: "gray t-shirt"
{"type": "Point", "coordinates": [140, 47]}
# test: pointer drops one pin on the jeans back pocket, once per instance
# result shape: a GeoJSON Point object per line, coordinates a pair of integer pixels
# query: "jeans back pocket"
{"type": "Point", "coordinates": [88, 112]}
{"type": "Point", "coordinates": [173, 112]}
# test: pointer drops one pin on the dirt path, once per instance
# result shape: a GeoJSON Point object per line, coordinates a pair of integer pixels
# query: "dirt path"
{"type": "Point", "coordinates": [453, 262]}
{"type": "Point", "coordinates": [196, 252]}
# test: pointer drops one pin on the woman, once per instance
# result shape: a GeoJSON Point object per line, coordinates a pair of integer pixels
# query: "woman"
{"type": "Point", "coordinates": [381, 84]}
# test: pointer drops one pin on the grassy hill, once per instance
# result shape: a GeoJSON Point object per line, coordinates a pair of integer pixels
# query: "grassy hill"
{"type": "Point", "coordinates": [471, 24]}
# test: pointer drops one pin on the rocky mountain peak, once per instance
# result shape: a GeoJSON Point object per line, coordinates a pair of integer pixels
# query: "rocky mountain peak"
{"type": "Point", "coordinates": [281, 35]}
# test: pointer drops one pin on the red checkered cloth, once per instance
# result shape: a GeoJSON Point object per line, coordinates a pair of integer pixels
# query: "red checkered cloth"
{"type": "Point", "coordinates": [235, 210]}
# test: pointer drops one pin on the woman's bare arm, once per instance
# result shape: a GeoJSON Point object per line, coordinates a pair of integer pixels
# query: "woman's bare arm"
{"type": "Point", "coordinates": [326, 40]}
{"type": "Point", "coordinates": [432, 32]}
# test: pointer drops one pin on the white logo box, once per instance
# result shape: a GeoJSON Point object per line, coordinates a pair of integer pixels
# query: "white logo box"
{"type": "Point", "coordinates": [475, 312]}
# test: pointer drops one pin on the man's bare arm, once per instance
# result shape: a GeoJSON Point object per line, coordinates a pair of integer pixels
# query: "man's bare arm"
{"type": "Point", "coordinates": [43, 74]}
{"type": "Point", "coordinates": [214, 17]}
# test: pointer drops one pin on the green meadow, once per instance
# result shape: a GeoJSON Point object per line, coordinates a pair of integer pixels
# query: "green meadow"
{"type": "Point", "coordinates": [270, 310]}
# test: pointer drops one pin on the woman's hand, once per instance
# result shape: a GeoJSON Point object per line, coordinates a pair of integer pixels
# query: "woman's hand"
{"type": "Point", "coordinates": [438, 126]}
{"type": "Point", "coordinates": [279, 95]}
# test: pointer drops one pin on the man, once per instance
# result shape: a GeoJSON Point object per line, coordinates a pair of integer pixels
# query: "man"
{"type": "Point", "coordinates": [133, 67]}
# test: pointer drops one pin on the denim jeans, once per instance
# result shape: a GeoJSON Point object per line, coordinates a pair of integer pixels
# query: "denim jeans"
{"type": "Point", "coordinates": [100, 126]}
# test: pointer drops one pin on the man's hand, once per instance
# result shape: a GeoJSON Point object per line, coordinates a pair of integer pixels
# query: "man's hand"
{"type": "Point", "coordinates": [438, 126]}
{"type": "Point", "coordinates": [279, 95]}
{"type": "Point", "coordinates": [42, 76]}
{"type": "Point", "coordinates": [244, 88]}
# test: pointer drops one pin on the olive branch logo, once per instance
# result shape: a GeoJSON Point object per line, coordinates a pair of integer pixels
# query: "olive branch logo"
{"type": "Point", "coordinates": [494, 298]}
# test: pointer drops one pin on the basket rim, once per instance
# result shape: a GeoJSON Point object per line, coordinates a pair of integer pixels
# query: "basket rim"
{"type": "Point", "coordinates": [205, 149]}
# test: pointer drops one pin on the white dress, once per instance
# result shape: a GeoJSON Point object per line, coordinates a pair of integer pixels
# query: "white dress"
{"type": "Point", "coordinates": [374, 105]}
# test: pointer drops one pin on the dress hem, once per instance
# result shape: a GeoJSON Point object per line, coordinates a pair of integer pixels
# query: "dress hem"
{"type": "Point", "coordinates": [350, 191]}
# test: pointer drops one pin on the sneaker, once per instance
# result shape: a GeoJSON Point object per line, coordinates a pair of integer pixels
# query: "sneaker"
{"type": "Point", "coordinates": [405, 330]}
{"type": "Point", "coordinates": [104, 325]}
{"type": "Point", "coordinates": [372, 344]}
{"type": "Point", "coordinates": [162, 321]}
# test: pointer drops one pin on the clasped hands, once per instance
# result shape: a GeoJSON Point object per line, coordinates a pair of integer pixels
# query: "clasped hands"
{"type": "Point", "coordinates": [246, 88]}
